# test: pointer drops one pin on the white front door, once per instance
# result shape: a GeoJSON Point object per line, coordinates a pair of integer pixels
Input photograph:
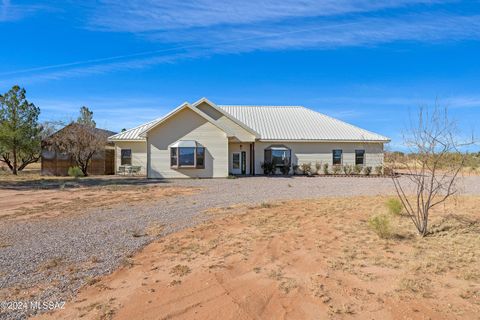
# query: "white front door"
{"type": "Point", "coordinates": [239, 162]}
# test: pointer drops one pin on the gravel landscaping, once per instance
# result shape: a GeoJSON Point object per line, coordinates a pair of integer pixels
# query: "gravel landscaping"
{"type": "Point", "coordinates": [59, 255]}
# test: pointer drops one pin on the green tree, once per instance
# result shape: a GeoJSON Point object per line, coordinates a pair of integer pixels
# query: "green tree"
{"type": "Point", "coordinates": [86, 117]}
{"type": "Point", "coordinates": [20, 132]}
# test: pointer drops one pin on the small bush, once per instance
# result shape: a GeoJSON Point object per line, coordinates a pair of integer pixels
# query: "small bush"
{"type": "Point", "coordinates": [367, 171]}
{"type": "Point", "coordinates": [394, 206]}
{"type": "Point", "coordinates": [381, 225]}
{"type": "Point", "coordinates": [75, 172]}
{"type": "Point", "coordinates": [268, 168]}
{"type": "Point", "coordinates": [379, 170]}
{"type": "Point", "coordinates": [347, 169]}
{"type": "Point", "coordinates": [318, 166]}
{"type": "Point", "coordinates": [325, 168]}
{"type": "Point", "coordinates": [306, 168]}
{"type": "Point", "coordinates": [336, 169]}
{"type": "Point", "coordinates": [285, 169]}
{"type": "Point", "coordinates": [357, 169]}
{"type": "Point", "coordinates": [295, 169]}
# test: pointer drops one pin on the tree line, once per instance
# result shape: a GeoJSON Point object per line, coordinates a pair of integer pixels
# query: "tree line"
{"type": "Point", "coordinates": [22, 136]}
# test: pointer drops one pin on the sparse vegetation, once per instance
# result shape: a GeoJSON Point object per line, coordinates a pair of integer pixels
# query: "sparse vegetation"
{"type": "Point", "coordinates": [347, 169]}
{"type": "Point", "coordinates": [394, 206]}
{"type": "Point", "coordinates": [367, 170]}
{"type": "Point", "coordinates": [306, 168]}
{"type": "Point", "coordinates": [268, 168]}
{"type": "Point", "coordinates": [357, 169]}
{"type": "Point", "coordinates": [379, 170]}
{"type": "Point", "coordinates": [75, 172]}
{"type": "Point", "coordinates": [325, 169]}
{"type": "Point", "coordinates": [381, 225]}
{"type": "Point", "coordinates": [336, 169]}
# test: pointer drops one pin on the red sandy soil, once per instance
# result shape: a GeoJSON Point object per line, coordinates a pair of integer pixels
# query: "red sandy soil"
{"type": "Point", "coordinates": [38, 203]}
{"type": "Point", "coordinates": [313, 259]}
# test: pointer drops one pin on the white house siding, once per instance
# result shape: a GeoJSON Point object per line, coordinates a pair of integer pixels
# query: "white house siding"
{"type": "Point", "coordinates": [311, 152]}
{"type": "Point", "coordinates": [187, 125]}
{"type": "Point", "coordinates": [139, 154]}
{"type": "Point", "coordinates": [237, 130]}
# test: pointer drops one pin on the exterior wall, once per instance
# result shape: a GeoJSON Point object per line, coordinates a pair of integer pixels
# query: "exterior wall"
{"type": "Point", "coordinates": [305, 152]}
{"type": "Point", "coordinates": [237, 130]}
{"type": "Point", "coordinates": [187, 125]}
{"type": "Point", "coordinates": [238, 147]}
{"type": "Point", "coordinates": [139, 154]}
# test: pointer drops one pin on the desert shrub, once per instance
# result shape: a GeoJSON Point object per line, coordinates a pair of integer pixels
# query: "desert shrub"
{"type": "Point", "coordinates": [379, 170]}
{"type": "Point", "coordinates": [306, 168]}
{"type": "Point", "coordinates": [325, 168]}
{"type": "Point", "coordinates": [231, 176]}
{"type": "Point", "coordinates": [367, 170]}
{"type": "Point", "coordinates": [336, 169]}
{"type": "Point", "coordinates": [394, 206]}
{"type": "Point", "coordinates": [381, 225]}
{"type": "Point", "coordinates": [268, 168]}
{"type": "Point", "coordinates": [285, 169]}
{"type": "Point", "coordinates": [357, 169]}
{"type": "Point", "coordinates": [295, 169]}
{"type": "Point", "coordinates": [75, 172]}
{"type": "Point", "coordinates": [347, 169]}
{"type": "Point", "coordinates": [318, 166]}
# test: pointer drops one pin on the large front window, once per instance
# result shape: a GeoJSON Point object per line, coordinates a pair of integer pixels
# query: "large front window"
{"type": "Point", "coordinates": [187, 154]}
{"type": "Point", "coordinates": [279, 156]}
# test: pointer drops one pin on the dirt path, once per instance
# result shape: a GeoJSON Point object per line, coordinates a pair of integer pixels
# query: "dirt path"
{"type": "Point", "coordinates": [298, 260]}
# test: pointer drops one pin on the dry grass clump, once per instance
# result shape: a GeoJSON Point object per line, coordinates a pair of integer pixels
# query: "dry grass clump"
{"type": "Point", "coordinates": [381, 225]}
{"type": "Point", "coordinates": [394, 206]}
{"type": "Point", "coordinates": [180, 270]}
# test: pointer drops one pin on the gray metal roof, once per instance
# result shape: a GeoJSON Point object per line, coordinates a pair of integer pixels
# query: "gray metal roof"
{"type": "Point", "coordinates": [287, 123]}
{"type": "Point", "coordinates": [134, 133]}
{"type": "Point", "coordinates": [298, 123]}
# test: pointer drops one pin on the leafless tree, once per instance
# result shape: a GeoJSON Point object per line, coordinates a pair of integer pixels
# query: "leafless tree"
{"type": "Point", "coordinates": [80, 141]}
{"type": "Point", "coordinates": [433, 166]}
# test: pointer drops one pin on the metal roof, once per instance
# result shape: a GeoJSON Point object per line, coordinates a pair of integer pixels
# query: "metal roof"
{"type": "Point", "coordinates": [298, 123]}
{"type": "Point", "coordinates": [134, 133]}
{"type": "Point", "coordinates": [279, 123]}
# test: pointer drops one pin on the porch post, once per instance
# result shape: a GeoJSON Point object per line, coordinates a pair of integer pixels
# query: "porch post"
{"type": "Point", "coordinates": [252, 158]}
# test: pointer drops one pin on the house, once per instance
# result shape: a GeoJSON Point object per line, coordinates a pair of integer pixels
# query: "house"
{"type": "Point", "coordinates": [55, 163]}
{"type": "Point", "coordinates": [206, 140]}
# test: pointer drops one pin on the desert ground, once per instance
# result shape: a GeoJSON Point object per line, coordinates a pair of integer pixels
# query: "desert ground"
{"type": "Point", "coordinates": [231, 248]}
{"type": "Point", "coordinates": [304, 259]}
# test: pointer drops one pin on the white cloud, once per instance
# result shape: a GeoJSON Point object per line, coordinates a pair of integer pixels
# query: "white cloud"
{"type": "Point", "coordinates": [12, 12]}
{"type": "Point", "coordinates": [152, 15]}
{"type": "Point", "coordinates": [192, 29]}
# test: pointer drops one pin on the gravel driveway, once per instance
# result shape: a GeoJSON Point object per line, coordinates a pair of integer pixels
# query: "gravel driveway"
{"type": "Point", "coordinates": [67, 252]}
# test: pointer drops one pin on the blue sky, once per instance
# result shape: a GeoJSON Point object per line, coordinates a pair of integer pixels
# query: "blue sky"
{"type": "Point", "coordinates": [370, 63]}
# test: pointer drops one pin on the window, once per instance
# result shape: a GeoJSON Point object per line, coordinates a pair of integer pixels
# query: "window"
{"type": "Point", "coordinates": [190, 156]}
{"type": "Point", "coordinates": [126, 157]}
{"type": "Point", "coordinates": [186, 156]}
{"type": "Point", "coordinates": [173, 157]}
{"type": "Point", "coordinates": [359, 157]}
{"type": "Point", "coordinates": [278, 155]}
{"type": "Point", "coordinates": [236, 160]}
{"type": "Point", "coordinates": [337, 157]}
{"type": "Point", "coordinates": [200, 157]}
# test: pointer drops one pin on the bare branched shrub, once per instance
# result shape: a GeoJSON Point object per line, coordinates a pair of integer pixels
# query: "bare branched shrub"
{"type": "Point", "coordinates": [430, 168]}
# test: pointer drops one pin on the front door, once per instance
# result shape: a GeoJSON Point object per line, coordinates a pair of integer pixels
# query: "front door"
{"type": "Point", "coordinates": [239, 162]}
{"type": "Point", "coordinates": [243, 161]}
